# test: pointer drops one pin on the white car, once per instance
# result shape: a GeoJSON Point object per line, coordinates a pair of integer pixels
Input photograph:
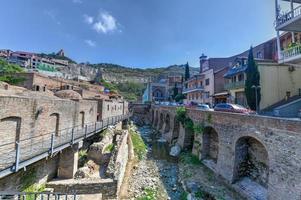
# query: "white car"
{"type": "Point", "coordinates": [203, 106]}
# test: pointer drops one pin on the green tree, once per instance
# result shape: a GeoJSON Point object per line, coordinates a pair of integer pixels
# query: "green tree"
{"type": "Point", "coordinates": [253, 78]}
{"type": "Point", "coordinates": [187, 73]}
{"type": "Point", "coordinates": [175, 91]}
{"type": "Point", "coordinates": [7, 72]}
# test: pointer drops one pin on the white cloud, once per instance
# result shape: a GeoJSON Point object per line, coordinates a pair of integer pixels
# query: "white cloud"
{"type": "Point", "coordinates": [105, 23]}
{"type": "Point", "coordinates": [90, 43]}
{"type": "Point", "coordinates": [52, 14]}
{"type": "Point", "coordinates": [88, 19]}
{"type": "Point", "coordinates": [77, 1]}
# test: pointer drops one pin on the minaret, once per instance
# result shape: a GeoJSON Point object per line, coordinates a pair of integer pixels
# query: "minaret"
{"type": "Point", "coordinates": [203, 58]}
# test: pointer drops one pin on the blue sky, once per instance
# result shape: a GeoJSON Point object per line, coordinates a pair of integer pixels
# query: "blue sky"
{"type": "Point", "coordinates": [137, 33]}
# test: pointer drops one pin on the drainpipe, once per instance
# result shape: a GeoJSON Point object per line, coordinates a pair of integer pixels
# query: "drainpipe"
{"type": "Point", "coordinates": [292, 10]}
{"type": "Point", "coordinates": [278, 34]}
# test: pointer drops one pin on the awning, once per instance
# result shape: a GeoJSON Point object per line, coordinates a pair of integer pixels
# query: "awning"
{"type": "Point", "coordinates": [221, 94]}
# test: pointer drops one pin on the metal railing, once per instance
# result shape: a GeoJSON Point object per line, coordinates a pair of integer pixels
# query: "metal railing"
{"type": "Point", "coordinates": [38, 196]}
{"type": "Point", "coordinates": [291, 52]}
{"type": "Point", "coordinates": [193, 89]}
{"type": "Point", "coordinates": [283, 18]}
{"type": "Point", "coordinates": [17, 155]}
{"type": "Point", "coordinates": [234, 85]}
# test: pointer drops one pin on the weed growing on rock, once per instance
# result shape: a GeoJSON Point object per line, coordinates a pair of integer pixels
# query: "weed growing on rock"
{"type": "Point", "coordinates": [189, 159]}
{"type": "Point", "coordinates": [183, 196]}
{"type": "Point", "coordinates": [149, 194]}
{"type": "Point", "coordinates": [82, 157]}
{"type": "Point", "coordinates": [140, 147]}
{"type": "Point", "coordinates": [109, 148]}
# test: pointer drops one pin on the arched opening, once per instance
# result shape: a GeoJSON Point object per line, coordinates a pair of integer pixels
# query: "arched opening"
{"type": "Point", "coordinates": [251, 162]}
{"type": "Point", "coordinates": [55, 122]}
{"type": "Point", "coordinates": [161, 121]}
{"type": "Point", "coordinates": [11, 125]}
{"type": "Point", "coordinates": [167, 123]}
{"type": "Point", "coordinates": [175, 131]}
{"type": "Point", "coordinates": [82, 118]}
{"type": "Point", "coordinates": [156, 118]}
{"type": "Point", "coordinates": [153, 116]}
{"type": "Point", "coordinates": [210, 145]}
{"type": "Point", "coordinates": [158, 95]}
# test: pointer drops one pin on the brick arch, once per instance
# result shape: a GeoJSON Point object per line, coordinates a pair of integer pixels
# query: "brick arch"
{"type": "Point", "coordinates": [161, 120]}
{"type": "Point", "coordinates": [55, 122]}
{"type": "Point", "coordinates": [13, 125]}
{"type": "Point", "coordinates": [251, 160]}
{"type": "Point", "coordinates": [156, 118]}
{"type": "Point", "coordinates": [210, 147]}
{"type": "Point", "coordinates": [167, 123]}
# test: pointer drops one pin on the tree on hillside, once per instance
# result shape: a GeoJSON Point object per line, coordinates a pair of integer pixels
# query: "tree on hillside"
{"type": "Point", "coordinates": [7, 72]}
{"type": "Point", "coordinates": [252, 79]}
{"type": "Point", "coordinates": [187, 73]}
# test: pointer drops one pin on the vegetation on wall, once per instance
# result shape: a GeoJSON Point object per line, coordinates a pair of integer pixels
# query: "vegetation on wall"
{"type": "Point", "coordinates": [140, 147]}
{"type": "Point", "coordinates": [199, 128]}
{"type": "Point", "coordinates": [181, 116]}
{"type": "Point", "coordinates": [6, 69]}
{"type": "Point", "coordinates": [253, 79]}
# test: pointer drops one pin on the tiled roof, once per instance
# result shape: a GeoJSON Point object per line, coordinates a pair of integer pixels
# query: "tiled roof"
{"type": "Point", "coordinates": [235, 70]}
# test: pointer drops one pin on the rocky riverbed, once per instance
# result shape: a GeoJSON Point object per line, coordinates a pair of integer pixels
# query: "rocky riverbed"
{"type": "Point", "coordinates": [152, 178]}
{"type": "Point", "coordinates": [158, 177]}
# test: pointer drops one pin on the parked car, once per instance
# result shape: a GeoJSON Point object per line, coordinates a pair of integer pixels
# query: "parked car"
{"type": "Point", "coordinates": [203, 106]}
{"type": "Point", "coordinates": [235, 108]}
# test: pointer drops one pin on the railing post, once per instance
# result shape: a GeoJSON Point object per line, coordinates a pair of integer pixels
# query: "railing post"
{"type": "Point", "coordinates": [17, 156]}
{"type": "Point", "coordinates": [86, 129]}
{"type": "Point", "coordinates": [52, 144]}
{"type": "Point", "coordinates": [72, 136]}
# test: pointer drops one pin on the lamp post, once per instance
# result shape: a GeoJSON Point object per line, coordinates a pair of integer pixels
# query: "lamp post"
{"type": "Point", "coordinates": [256, 87]}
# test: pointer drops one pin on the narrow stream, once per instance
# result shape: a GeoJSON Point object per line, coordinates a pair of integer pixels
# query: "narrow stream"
{"type": "Point", "coordinates": [157, 172]}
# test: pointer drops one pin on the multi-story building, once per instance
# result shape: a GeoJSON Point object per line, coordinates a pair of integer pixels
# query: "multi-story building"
{"type": "Point", "coordinates": [289, 50]}
{"type": "Point", "coordinates": [163, 90]}
{"type": "Point", "coordinates": [5, 53]}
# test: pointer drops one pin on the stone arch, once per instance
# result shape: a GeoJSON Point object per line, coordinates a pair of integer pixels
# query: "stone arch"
{"type": "Point", "coordinates": [161, 121]}
{"type": "Point", "coordinates": [153, 116]}
{"type": "Point", "coordinates": [156, 118]}
{"type": "Point", "coordinates": [176, 129]}
{"type": "Point", "coordinates": [55, 122]}
{"type": "Point", "coordinates": [82, 119]}
{"type": "Point", "coordinates": [210, 147]}
{"type": "Point", "coordinates": [11, 124]}
{"type": "Point", "coordinates": [251, 161]}
{"type": "Point", "coordinates": [167, 123]}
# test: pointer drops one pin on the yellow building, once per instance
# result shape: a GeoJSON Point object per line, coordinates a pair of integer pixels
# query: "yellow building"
{"type": "Point", "coordinates": [277, 82]}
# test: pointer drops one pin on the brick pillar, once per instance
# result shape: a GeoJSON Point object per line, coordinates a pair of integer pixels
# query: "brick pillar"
{"type": "Point", "coordinates": [125, 124]}
{"type": "Point", "coordinates": [68, 162]}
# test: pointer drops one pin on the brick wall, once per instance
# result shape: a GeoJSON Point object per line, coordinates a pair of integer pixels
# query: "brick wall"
{"type": "Point", "coordinates": [271, 145]}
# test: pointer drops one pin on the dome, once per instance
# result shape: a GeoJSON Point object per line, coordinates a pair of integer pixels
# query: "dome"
{"type": "Point", "coordinates": [68, 94]}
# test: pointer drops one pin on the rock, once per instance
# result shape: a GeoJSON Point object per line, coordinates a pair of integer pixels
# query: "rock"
{"type": "Point", "coordinates": [192, 186]}
{"type": "Point", "coordinates": [175, 151]}
{"type": "Point", "coordinates": [83, 172]}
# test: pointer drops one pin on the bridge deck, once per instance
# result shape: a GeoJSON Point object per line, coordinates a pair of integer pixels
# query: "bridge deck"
{"type": "Point", "coordinates": [14, 156]}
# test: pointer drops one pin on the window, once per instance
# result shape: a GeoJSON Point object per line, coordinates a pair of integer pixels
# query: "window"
{"type": "Point", "coordinates": [108, 108]}
{"type": "Point", "coordinates": [207, 81]}
{"type": "Point", "coordinates": [240, 77]}
{"type": "Point", "coordinates": [259, 54]}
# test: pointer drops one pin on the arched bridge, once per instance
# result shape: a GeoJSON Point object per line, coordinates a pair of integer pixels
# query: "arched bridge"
{"type": "Point", "coordinates": [258, 156]}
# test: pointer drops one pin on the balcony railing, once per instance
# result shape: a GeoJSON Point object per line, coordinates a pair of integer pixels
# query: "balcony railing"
{"type": "Point", "coordinates": [291, 53]}
{"type": "Point", "coordinates": [235, 85]}
{"type": "Point", "coordinates": [193, 89]}
{"type": "Point", "coordinates": [17, 155]}
{"type": "Point", "coordinates": [284, 18]}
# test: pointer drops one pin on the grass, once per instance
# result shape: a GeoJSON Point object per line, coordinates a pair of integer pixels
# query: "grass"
{"type": "Point", "coordinates": [140, 147]}
{"type": "Point", "coordinates": [149, 194]}
{"type": "Point", "coordinates": [183, 196]}
{"type": "Point", "coordinates": [189, 159]}
{"type": "Point", "coordinates": [29, 185]}
{"type": "Point", "coordinates": [82, 157]}
{"type": "Point", "coordinates": [109, 148]}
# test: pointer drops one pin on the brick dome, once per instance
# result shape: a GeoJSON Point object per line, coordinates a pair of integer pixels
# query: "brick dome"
{"type": "Point", "coordinates": [68, 94]}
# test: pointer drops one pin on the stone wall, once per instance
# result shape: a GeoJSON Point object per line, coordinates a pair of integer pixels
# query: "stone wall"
{"type": "Point", "coordinates": [265, 149]}
{"type": "Point", "coordinates": [110, 108]}
{"type": "Point", "coordinates": [39, 173]}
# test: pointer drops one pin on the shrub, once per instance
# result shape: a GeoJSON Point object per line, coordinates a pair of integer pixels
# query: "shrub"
{"type": "Point", "coordinates": [140, 147]}
{"type": "Point", "coordinates": [199, 128]}
{"type": "Point", "coordinates": [109, 148]}
{"type": "Point", "coordinates": [149, 194]}
{"type": "Point", "coordinates": [189, 159]}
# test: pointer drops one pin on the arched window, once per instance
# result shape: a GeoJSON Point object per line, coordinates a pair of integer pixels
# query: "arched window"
{"type": "Point", "coordinates": [55, 122]}
{"type": "Point", "coordinates": [11, 125]}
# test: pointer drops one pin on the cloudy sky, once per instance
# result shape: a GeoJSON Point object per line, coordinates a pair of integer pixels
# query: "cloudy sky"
{"type": "Point", "coordinates": [139, 33]}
